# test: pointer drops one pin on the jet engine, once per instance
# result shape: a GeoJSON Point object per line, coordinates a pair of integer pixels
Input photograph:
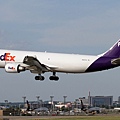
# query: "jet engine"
{"type": "Point", "coordinates": [14, 68]}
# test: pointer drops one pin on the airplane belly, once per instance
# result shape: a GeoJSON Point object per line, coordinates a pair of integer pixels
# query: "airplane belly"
{"type": "Point", "coordinates": [70, 70]}
{"type": "Point", "coordinates": [73, 65]}
{"type": "Point", "coordinates": [73, 68]}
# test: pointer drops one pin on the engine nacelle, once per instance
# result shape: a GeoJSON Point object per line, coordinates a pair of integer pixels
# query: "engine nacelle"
{"type": "Point", "coordinates": [14, 68]}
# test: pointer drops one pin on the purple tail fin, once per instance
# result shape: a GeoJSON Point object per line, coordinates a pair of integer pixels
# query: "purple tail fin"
{"type": "Point", "coordinates": [114, 51]}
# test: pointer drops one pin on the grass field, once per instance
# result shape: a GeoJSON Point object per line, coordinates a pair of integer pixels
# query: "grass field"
{"type": "Point", "coordinates": [95, 117]}
{"type": "Point", "coordinates": [85, 118]}
{"type": "Point", "coordinates": [100, 117]}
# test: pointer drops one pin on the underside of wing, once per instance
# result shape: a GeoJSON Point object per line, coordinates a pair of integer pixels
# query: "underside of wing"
{"type": "Point", "coordinates": [35, 66]}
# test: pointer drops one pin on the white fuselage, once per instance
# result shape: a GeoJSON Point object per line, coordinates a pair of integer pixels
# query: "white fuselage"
{"type": "Point", "coordinates": [40, 62]}
{"type": "Point", "coordinates": [68, 63]}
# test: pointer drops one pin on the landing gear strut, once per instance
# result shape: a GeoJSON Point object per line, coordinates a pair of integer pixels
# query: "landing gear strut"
{"type": "Point", "coordinates": [40, 77]}
{"type": "Point", "coordinates": [54, 77]}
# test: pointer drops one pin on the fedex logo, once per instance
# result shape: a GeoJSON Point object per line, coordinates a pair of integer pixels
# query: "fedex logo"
{"type": "Point", "coordinates": [7, 57]}
{"type": "Point", "coordinates": [11, 68]}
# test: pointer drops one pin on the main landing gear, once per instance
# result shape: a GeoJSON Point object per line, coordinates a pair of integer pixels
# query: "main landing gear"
{"type": "Point", "coordinates": [53, 77]}
{"type": "Point", "coordinates": [40, 77]}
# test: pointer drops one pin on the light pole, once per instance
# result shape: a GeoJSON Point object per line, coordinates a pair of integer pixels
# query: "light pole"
{"type": "Point", "coordinates": [6, 101]}
{"type": "Point", "coordinates": [64, 102]}
{"type": "Point", "coordinates": [38, 100]}
{"type": "Point", "coordinates": [41, 103]}
{"type": "Point", "coordinates": [52, 102]}
{"type": "Point", "coordinates": [24, 98]}
{"type": "Point", "coordinates": [64, 99]}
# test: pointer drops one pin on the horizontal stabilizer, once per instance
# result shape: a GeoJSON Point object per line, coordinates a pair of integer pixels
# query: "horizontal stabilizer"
{"type": "Point", "coordinates": [116, 61]}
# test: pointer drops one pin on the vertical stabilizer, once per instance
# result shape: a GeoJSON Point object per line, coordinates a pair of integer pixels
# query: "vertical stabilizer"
{"type": "Point", "coordinates": [114, 51]}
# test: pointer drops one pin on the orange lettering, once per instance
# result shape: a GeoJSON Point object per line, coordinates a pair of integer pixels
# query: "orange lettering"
{"type": "Point", "coordinates": [7, 57]}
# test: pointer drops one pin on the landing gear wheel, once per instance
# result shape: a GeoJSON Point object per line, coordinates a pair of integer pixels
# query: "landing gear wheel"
{"type": "Point", "coordinates": [56, 78]}
{"type": "Point", "coordinates": [41, 78]}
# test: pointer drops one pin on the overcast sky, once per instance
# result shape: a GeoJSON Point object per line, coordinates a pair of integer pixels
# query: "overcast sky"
{"type": "Point", "coordinates": [66, 26]}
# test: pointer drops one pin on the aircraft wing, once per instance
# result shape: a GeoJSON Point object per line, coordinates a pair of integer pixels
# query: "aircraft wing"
{"type": "Point", "coordinates": [116, 61]}
{"type": "Point", "coordinates": [35, 66]}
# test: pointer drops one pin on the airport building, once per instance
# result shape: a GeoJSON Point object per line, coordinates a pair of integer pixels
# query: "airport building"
{"type": "Point", "coordinates": [119, 100]}
{"type": "Point", "coordinates": [100, 101]}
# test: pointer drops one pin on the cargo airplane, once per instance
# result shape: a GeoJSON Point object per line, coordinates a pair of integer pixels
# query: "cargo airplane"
{"type": "Point", "coordinates": [40, 62]}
